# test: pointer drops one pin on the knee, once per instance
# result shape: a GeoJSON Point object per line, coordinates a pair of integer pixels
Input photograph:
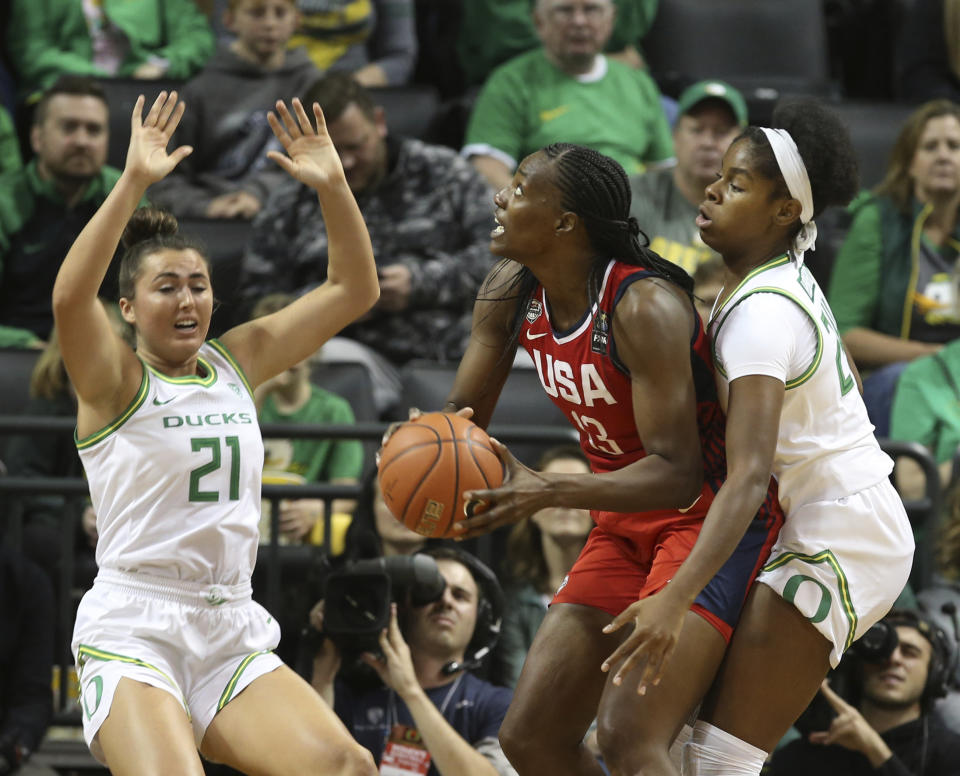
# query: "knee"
{"type": "Point", "coordinates": [350, 760]}
{"type": "Point", "coordinates": [518, 742]}
{"type": "Point", "coordinates": [355, 761]}
{"type": "Point", "coordinates": [627, 748]}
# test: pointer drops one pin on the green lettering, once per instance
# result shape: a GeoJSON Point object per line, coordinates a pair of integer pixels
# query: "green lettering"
{"type": "Point", "coordinates": [168, 421]}
{"type": "Point", "coordinates": [212, 419]}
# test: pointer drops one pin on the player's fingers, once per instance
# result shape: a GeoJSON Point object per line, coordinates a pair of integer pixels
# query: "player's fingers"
{"type": "Point", "coordinates": [289, 122]}
{"type": "Point", "coordinates": [636, 659]}
{"type": "Point", "coordinates": [174, 121]}
{"type": "Point", "coordinates": [619, 621]}
{"type": "Point", "coordinates": [280, 131]}
{"type": "Point", "coordinates": [154, 112]}
{"type": "Point", "coordinates": [136, 118]}
{"type": "Point", "coordinates": [166, 110]}
{"type": "Point", "coordinates": [414, 414]}
{"type": "Point", "coordinates": [320, 119]}
{"type": "Point", "coordinates": [818, 737]}
{"type": "Point", "coordinates": [302, 118]}
{"type": "Point", "coordinates": [465, 412]}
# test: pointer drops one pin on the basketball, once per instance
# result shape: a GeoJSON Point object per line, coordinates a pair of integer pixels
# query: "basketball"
{"type": "Point", "coordinates": [426, 466]}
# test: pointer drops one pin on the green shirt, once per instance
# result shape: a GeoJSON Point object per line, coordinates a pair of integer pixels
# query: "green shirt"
{"type": "Point", "coordinates": [668, 219]}
{"type": "Point", "coordinates": [926, 404]}
{"type": "Point", "coordinates": [316, 460]}
{"type": "Point", "coordinates": [529, 103]}
{"type": "Point", "coordinates": [480, 52]}
{"type": "Point", "coordinates": [46, 38]}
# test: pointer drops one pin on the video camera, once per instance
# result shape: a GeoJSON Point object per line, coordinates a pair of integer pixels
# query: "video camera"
{"type": "Point", "coordinates": [357, 597]}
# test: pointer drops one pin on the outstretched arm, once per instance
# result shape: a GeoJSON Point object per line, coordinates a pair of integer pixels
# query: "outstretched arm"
{"type": "Point", "coordinates": [104, 371]}
{"type": "Point", "coordinates": [266, 346]}
{"type": "Point", "coordinates": [753, 425]}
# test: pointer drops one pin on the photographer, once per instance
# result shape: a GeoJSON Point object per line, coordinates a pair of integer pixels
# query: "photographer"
{"type": "Point", "coordinates": [890, 729]}
{"type": "Point", "coordinates": [432, 716]}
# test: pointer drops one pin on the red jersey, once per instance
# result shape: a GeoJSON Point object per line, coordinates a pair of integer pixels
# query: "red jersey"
{"type": "Point", "coordinates": [580, 371]}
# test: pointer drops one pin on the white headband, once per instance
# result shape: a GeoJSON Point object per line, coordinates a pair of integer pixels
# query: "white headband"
{"type": "Point", "coordinates": [798, 184]}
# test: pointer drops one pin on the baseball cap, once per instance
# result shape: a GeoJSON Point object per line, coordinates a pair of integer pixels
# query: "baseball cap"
{"type": "Point", "coordinates": [704, 90]}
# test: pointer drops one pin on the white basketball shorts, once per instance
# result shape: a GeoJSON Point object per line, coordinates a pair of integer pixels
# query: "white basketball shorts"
{"type": "Point", "coordinates": [203, 644]}
{"type": "Point", "coordinates": [843, 562]}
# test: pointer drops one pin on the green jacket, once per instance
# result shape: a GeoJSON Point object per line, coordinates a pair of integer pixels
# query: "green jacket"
{"type": "Point", "coordinates": [46, 38]}
{"type": "Point", "coordinates": [9, 144]}
{"type": "Point", "coordinates": [874, 276]}
{"type": "Point", "coordinates": [36, 231]}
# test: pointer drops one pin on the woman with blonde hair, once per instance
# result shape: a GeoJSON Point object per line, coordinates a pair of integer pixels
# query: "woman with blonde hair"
{"type": "Point", "coordinates": [893, 288]}
{"type": "Point", "coordinates": [52, 455]}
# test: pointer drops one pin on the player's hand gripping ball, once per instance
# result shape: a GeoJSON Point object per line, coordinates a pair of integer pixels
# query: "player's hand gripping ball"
{"type": "Point", "coordinates": [428, 463]}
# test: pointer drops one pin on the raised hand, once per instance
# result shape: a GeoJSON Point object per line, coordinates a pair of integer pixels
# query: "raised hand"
{"type": "Point", "coordinates": [849, 729]}
{"type": "Point", "coordinates": [657, 622]}
{"type": "Point", "coordinates": [147, 156]}
{"type": "Point", "coordinates": [311, 157]}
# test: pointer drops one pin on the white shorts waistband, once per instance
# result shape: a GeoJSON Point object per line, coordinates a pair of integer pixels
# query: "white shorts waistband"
{"type": "Point", "coordinates": [175, 590]}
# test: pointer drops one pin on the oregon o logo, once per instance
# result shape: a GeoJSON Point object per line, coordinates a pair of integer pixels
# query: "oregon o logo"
{"type": "Point", "coordinates": [790, 594]}
{"type": "Point", "coordinates": [97, 684]}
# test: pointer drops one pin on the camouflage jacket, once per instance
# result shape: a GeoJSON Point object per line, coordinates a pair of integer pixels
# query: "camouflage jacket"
{"type": "Point", "coordinates": [433, 213]}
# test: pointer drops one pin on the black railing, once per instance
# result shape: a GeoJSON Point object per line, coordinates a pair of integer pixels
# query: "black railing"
{"type": "Point", "coordinates": [275, 558]}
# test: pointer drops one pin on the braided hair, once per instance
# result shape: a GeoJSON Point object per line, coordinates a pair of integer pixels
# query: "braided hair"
{"type": "Point", "coordinates": [596, 188]}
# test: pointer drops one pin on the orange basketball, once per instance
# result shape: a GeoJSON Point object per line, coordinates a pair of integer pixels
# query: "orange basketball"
{"type": "Point", "coordinates": [426, 466]}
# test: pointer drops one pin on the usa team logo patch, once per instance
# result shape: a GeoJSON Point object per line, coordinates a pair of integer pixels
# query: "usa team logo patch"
{"type": "Point", "coordinates": [534, 310]}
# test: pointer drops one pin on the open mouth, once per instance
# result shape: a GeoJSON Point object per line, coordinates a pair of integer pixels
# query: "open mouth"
{"type": "Point", "coordinates": [186, 325]}
{"type": "Point", "coordinates": [498, 229]}
{"type": "Point", "coordinates": [703, 220]}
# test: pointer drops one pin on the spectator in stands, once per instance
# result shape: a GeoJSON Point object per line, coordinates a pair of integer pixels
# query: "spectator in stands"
{"type": "Point", "coordinates": [375, 40]}
{"type": "Point", "coordinates": [929, 52]}
{"type": "Point", "coordinates": [894, 285]}
{"type": "Point", "coordinates": [666, 200]}
{"type": "Point", "coordinates": [228, 174]}
{"type": "Point", "coordinates": [567, 90]}
{"type": "Point", "coordinates": [926, 409]}
{"type": "Point", "coordinates": [429, 215]}
{"type": "Point", "coordinates": [44, 205]}
{"type": "Point", "coordinates": [431, 709]}
{"type": "Point", "coordinates": [135, 38]}
{"type": "Point", "coordinates": [540, 552]}
{"type": "Point", "coordinates": [26, 660]}
{"type": "Point", "coordinates": [889, 729]}
{"type": "Point", "coordinates": [9, 144]}
{"type": "Point", "coordinates": [480, 52]}
{"type": "Point", "coordinates": [290, 397]}
{"type": "Point", "coordinates": [53, 455]}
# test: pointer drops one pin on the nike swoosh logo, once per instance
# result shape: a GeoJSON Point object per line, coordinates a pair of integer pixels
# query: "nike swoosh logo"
{"type": "Point", "coordinates": [161, 403]}
{"type": "Point", "coordinates": [536, 336]}
{"type": "Point", "coordinates": [554, 113]}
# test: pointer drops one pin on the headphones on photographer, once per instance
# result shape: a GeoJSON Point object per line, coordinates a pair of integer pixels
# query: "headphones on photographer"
{"type": "Point", "coordinates": [881, 639]}
{"type": "Point", "coordinates": [490, 605]}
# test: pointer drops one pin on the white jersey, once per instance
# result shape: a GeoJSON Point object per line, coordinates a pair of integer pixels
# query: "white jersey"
{"type": "Point", "coordinates": [777, 322]}
{"type": "Point", "coordinates": [175, 479]}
